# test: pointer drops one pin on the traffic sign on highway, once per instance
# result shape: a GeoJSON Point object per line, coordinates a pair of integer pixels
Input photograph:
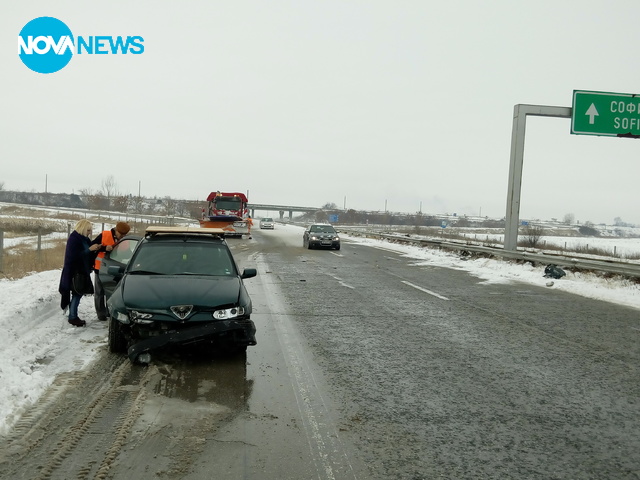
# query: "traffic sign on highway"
{"type": "Point", "coordinates": [606, 114]}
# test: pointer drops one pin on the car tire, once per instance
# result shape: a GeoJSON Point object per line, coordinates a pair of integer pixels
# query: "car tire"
{"type": "Point", "coordinates": [338, 247]}
{"type": "Point", "coordinates": [117, 342]}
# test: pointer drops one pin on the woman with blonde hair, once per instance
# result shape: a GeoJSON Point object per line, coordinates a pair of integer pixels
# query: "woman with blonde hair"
{"type": "Point", "coordinates": [75, 280]}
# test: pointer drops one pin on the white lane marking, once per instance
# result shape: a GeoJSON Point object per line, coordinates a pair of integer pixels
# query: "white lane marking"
{"type": "Point", "coordinates": [336, 254]}
{"type": "Point", "coordinates": [342, 283]}
{"type": "Point", "coordinates": [425, 290]}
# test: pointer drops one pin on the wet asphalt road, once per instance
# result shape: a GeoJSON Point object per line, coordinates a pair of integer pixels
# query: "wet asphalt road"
{"type": "Point", "coordinates": [368, 366]}
{"type": "Point", "coordinates": [436, 374]}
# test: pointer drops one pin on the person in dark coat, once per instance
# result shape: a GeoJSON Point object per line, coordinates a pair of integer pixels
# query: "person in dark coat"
{"type": "Point", "coordinates": [78, 259]}
{"type": "Point", "coordinates": [105, 242]}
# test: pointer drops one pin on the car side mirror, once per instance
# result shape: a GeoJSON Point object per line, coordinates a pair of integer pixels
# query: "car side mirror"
{"type": "Point", "coordinates": [249, 273]}
{"type": "Point", "coordinates": [115, 270]}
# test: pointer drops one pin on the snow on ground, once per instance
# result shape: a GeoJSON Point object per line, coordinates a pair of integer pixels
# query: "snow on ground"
{"type": "Point", "coordinates": [47, 241]}
{"type": "Point", "coordinates": [620, 291]}
{"type": "Point", "coordinates": [38, 344]}
{"type": "Point", "coordinates": [614, 246]}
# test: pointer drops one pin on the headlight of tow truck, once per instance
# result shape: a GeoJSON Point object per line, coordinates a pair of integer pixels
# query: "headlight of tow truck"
{"type": "Point", "coordinates": [228, 313]}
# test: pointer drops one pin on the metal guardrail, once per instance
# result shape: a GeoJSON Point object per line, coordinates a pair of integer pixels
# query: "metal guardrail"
{"type": "Point", "coordinates": [626, 269]}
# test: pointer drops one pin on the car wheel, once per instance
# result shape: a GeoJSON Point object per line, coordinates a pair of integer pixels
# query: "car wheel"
{"type": "Point", "coordinates": [310, 246]}
{"type": "Point", "coordinates": [338, 247]}
{"type": "Point", "coordinates": [117, 342]}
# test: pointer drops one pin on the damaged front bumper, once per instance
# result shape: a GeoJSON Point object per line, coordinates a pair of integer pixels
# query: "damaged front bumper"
{"type": "Point", "coordinates": [243, 332]}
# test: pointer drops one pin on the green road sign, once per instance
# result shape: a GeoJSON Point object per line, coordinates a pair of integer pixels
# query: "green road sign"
{"type": "Point", "coordinates": [603, 113]}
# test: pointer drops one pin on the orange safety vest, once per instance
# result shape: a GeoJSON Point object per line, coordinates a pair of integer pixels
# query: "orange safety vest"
{"type": "Point", "coordinates": [107, 239]}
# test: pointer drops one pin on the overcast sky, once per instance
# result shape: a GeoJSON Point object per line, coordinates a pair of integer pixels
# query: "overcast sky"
{"type": "Point", "coordinates": [369, 104]}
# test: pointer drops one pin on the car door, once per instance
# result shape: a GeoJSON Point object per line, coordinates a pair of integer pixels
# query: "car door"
{"type": "Point", "coordinates": [119, 257]}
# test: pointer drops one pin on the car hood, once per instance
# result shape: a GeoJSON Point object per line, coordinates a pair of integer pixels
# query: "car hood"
{"type": "Point", "coordinates": [163, 291]}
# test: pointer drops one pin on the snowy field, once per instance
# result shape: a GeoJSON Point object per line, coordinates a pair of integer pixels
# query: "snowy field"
{"type": "Point", "coordinates": [619, 247]}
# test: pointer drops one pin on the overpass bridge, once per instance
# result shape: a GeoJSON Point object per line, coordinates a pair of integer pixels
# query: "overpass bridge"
{"type": "Point", "coordinates": [281, 209]}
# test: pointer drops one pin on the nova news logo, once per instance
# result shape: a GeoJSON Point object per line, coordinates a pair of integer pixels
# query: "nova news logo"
{"type": "Point", "coordinates": [46, 45]}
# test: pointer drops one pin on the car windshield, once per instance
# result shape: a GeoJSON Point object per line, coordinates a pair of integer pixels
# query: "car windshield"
{"type": "Point", "coordinates": [322, 229]}
{"type": "Point", "coordinates": [267, 220]}
{"type": "Point", "coordinates": [183, 259]}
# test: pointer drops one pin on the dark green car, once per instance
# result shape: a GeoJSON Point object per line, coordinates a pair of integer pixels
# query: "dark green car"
{"type": "Point", "coordinates": [176, 286]}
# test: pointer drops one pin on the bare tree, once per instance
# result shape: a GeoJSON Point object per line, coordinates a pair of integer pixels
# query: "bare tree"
{"type": "Point", "coordinates": [1, 186]}
{"type": "Point", "coordinates": [169, 205]}
{"type": "Point", "coordinates": [618, 222]}
{"type": "Point", "coordinates": [137, 203]}
{"type": "Point", "coordinates": [110, 187]}
{"type": "Point", "coordinates": [97, 202]}
{"type": "Point", "coordinates": [181, 209]}
{"type": "Point", "coordinates": [569, 218]}
{"type": "Point", "coordinates": [121, 203]}
{"type": "Point", "coordinates": [532, 235]}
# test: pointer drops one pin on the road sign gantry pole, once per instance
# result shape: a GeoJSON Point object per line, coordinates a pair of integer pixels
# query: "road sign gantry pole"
{"type": "Point", "coordinates": [520, 113]}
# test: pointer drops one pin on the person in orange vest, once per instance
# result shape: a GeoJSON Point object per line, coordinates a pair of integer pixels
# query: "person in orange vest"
{"type": "Point", "coordinates": [249, 224]}
{"type": "Point", "coordinates": [106, 240]}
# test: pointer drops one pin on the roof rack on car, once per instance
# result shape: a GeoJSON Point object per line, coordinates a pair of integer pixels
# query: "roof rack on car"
{"type": "Point", "coordinates": [154, 230]}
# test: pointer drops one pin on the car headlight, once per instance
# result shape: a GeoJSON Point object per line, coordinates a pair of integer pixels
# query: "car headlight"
{"type": "Point", "coordinates": [140, 317]}
{"type": "Point", "coordinates": [335, 239]}
{"type": "Point", "coordinates": [313, 237]}
{"type": "Point", "coordinates": [121, 317]}
{"type": "Point", "coordinates": [228, 313]}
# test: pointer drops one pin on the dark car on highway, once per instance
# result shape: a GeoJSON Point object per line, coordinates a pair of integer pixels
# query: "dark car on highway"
{"type": "Point", "coordinates": [176, 286]}
{"type": "Point", "coordinates": [321, 235]}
